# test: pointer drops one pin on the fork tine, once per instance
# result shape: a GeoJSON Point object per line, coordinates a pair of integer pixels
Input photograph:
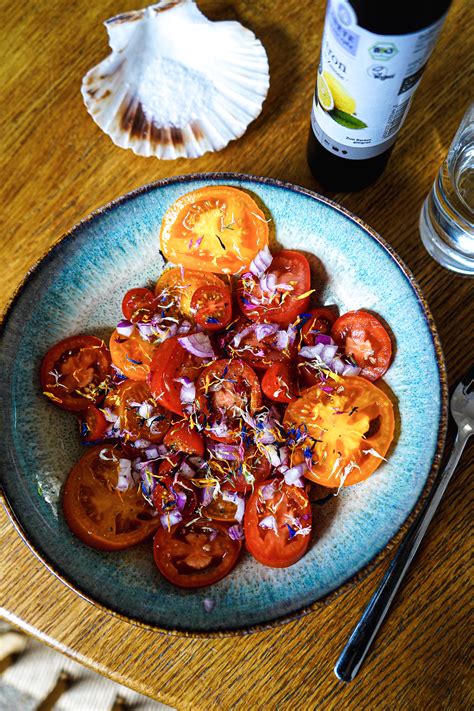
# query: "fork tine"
{"type": "Point", "coordinates": [468, 380]}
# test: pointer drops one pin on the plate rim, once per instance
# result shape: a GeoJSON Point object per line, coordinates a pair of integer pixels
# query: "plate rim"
{"type": "Point", "coordinates": [395, 540]}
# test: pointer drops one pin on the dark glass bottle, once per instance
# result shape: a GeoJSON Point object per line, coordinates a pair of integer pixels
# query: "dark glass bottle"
{"type": "Point", "coordinates": [373, 55]}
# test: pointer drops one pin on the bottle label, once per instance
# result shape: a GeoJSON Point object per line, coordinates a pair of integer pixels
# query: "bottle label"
{"type": "Point", "coordinates": [365, 83]}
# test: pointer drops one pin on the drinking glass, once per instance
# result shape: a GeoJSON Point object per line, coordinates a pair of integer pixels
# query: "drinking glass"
{"type": "Point", "coordinates": [447, 215]}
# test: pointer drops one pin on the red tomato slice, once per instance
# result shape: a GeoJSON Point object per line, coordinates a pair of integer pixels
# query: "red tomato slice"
{"type": "Point", "coordinates": [277, 303]}
{"type": "Point", "coordinates": [171, 362]}
{"type": "Point", "coordinates": [97, 512]}
{"type": "Point", "coordinates": [277, 383]}
{"type": "Point", "coordinates": [214, 229]}
{"type": "Point", "coordinates": [285, 512]}
{"type": "Point", "coordinates": [75, 373]}
{"type": "Point", "coordinates": [139, 305]}
{"type": "Point", "coordinates": [320, 322]}
{"type": "Point", "coordinates": [181, 438]}
{"type": "Point", "coordinates": [221, 387]}
{"type": "Point", "coordinates": [169, 492]}
{"type": "Point", "coordinates": [345, 430]}
{"type": "Point", "coordinates": [141, 416]}
{"type": "Point", "coordinates": [92, 424]}
{"type": "Point", "coordinates": [259, 353]}
{"type": "Point", "coordinates": [212, 307]}
{"type": "Point", "coordinates": [195, 555]}
{"type": "Point", "coordinates": [132, 354]}
{"type": "Point", "coordinates": [366, 341]}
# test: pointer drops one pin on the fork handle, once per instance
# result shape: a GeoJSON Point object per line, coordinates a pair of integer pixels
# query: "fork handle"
{"type": "Point", "coordinates": [374, 614]}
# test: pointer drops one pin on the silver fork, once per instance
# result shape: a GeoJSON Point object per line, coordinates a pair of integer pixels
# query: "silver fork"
{"type": "Point", "coordinates": [360, 641]}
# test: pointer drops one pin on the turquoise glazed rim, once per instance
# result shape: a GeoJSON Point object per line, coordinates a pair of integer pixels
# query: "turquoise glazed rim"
{"type": "Point", "coordinates": [77, 287]}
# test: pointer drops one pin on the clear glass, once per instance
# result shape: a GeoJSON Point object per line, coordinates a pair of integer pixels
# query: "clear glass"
{"type": "Point", "coordinates": [447, 215]}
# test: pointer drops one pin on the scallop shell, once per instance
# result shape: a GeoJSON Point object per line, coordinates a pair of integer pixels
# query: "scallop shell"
{"type": "Point", "coordinates": [176, 84]}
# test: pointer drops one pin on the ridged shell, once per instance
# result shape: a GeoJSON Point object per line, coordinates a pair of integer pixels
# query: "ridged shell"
{"type": "Point", "coordinates": [176, 84]}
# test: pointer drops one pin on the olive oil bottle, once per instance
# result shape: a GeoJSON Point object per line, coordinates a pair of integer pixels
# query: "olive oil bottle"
{"type": "Point", "coordinates": [373, 55]}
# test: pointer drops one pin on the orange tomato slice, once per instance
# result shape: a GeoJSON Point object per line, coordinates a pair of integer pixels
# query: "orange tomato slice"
{"type": "Point", "coordinates": [178, 286]}
{"type": "Point", "coordinates": [349, 430]}
{"type": "Point", "coordinates": [214, 229]}
{"type": "Point", "coordinates": [132, 354]}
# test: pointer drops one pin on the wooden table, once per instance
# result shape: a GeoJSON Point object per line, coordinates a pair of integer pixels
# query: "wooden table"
{"type": "Point", "coordinates": [59, 167]}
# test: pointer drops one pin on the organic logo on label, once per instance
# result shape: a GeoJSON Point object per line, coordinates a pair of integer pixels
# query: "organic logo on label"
{"type": "Point", "coordinates": [383, 51]}
{"type": "Point", "coordinates": [378, 71]}
{"type": "Point", "coordinates": [344, 14]}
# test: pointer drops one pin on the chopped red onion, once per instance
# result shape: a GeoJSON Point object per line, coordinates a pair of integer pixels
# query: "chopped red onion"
{"type": "Point", "coordinates": [207, 495]}
{"type": "Point", "coordinates": [311, 351]}
{"type": "Point", "coordinates": [187, 393]}
{"type": "Point", "coordinates": [220, 429]}
{"type": "Point", "coordinates": [242, 334]}
{"type": "Point", "coordinates": [109, 415]}
{"type": "Point", "coordinates": [171, 518]}
{"type": "Point", "coordinates": [239, 501]}
{"type": "Point", "coordinates": [199, 344]}
{"type": "Point", "coordinates": [261, 262]}
{"type": "Point", "coordinates": [180, 500]}
{"type": "Point", "coordinates": [146, 330]}
{"type": "Point", "coordinates": [152, 453]}
{"type": "Point", "coordinates": [125, 478]}
{"type": "Point", "coordinates": [185, 327]}
{"type": "Point", "coordinates": [125, 327]}
{"type": "Point", "coordinates": [293, 476]}
{"type": "Point", "coordinates": [187, 471]}
{"type": "Point", "coordinates": [228, 452]}
{"type": "Point", "coordinates": [141, 443]}
{"type": "Point", "coordinates": [262, 330]}
{"type": "Point", "coordinates": [324, 339]}
{"type": "Point", "coordinates": [282, 340]}
{"type": "Point", "coordinates": [236, 532]}
{"type": "Point", "coordinates": [145, 410]}
{"type": "Point", "coordinates": [269, 522]}
{"type": "Point", "coordinates": [350, 369]}
{"type": "Point", "coordinates": [267, 491]}
{"type": "Point", "coordinates": [268, 282]}
{"type": "Point", "coordinates": [337, 366]}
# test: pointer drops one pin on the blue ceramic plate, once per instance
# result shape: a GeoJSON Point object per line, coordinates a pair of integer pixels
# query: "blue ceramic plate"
{"type": "Point", "coordinates": [78, 286]}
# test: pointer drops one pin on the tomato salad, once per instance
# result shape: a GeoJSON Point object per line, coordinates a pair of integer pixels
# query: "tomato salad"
{"type": "Point", "coordinates": [220, 399]}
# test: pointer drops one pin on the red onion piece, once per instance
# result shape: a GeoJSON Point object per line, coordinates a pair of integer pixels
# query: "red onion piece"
{"type": "Point", "coordinates": [350, 369]}
{"type": "Point", "coordinates": [236, 532]}
{"type": "Point", "coordinates": [328, 353]}
{"type": "Point", "coordinates": [125, 327]}
{"type": "Point", "coordinates": [269, 522]}
{"type": "Point", "coordinates": [293, 476]}
{"type": "Point", "coordinates": [262, 330]}
{"type": "Point", "coordinates": [228, 452]}
{"type": "Point", "coordinates": [234, 498]}
{"type": "Point", "coordinates": [282, 340]}
{"type": "Point", "coordinates": [267, 491]}
{"type": "Point", "coordinates": [171, 518]}
{"type": "Point", "coordinates": [199, 344]}
{"type": "Point", "coordinates": [324, 339]}
{"type": "Point", "coordinates": [180, 500]}
{"type": "Point", "coordinates": [187, 471]}
{"type": "Point", "coordinates": [261, 262]}
{"type": "Point", "coordinates": [152, 453]}
{"type": "Point", "coordinates": [207, 495]}
{"type": "Point", "coordinates": [187, 394]}
{"type": "Point", "coordinates": [125, 476]}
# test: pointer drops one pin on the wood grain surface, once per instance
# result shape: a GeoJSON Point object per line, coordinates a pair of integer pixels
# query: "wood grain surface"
{"type": "Point", "coordinates": [57, 166]}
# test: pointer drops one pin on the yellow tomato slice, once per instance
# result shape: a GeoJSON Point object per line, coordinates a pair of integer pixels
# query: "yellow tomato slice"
{"type": "Point", "coordinates": [178, 286]}
{"type": "Point", "coordinates": [215, 229]}
{"type": "Point", "coordinates": [342, 434]}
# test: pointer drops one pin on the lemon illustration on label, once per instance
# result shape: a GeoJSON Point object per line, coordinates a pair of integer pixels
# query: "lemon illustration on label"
{"type": "Point", "coordinates": [324, 94]}
{"type": "Point", "coordinates": [342, 100]}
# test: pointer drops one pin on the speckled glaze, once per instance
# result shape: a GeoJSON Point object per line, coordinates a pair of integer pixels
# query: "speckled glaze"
{"type": "Point", "coordinates": [77, 287]}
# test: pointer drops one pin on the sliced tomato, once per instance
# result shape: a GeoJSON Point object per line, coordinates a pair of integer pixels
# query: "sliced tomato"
{"type": "Point", "coordinates": [277, 383]}
{"type": "Point", "coordinates": [139, 305]}
{"type": "Point", "coordinates": [75, 373]}
{"type": "Point", "coordinates": [170, 363]}
{"type": "Point", "coordinates": [346, 427]}
{"type": "Point", "coordinates": [214, 229]}
{"type": "Point", "coordinates": [132, 355]}
{"type": "Point", "coordinates": [176, 287]}
{"type": "Point", "coordinates": [92, 424]}
{"type": "Point", "coordinates": [141, 416]}
{"type": "Point", "coordinates": [220, 509]}
{"type": "Point", "coordinates": [246, 341]}
{"type": "Point", "coordinates": [277, 523]}
{"type": "Point", "coordinates": [212, 307]}
{"type": "Point", "coordinates": [195, 555]}
{"type": "Point", "coordinates": [243, 473]}
{"type": "Point", "coordinates": [221, 388]}
{"type": "Point", "coordinates": [97, 512]}
{"type": "Point", "coordinates": [364, 339]}
{"type": "Point", "coordinates": [173, 494]}
{"type": "Point", "coordinates": [285, 296]}
{"type": "Point", "coordinates": [320, 322]}
{"type": "Point", "coordinates": [181, 438]}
